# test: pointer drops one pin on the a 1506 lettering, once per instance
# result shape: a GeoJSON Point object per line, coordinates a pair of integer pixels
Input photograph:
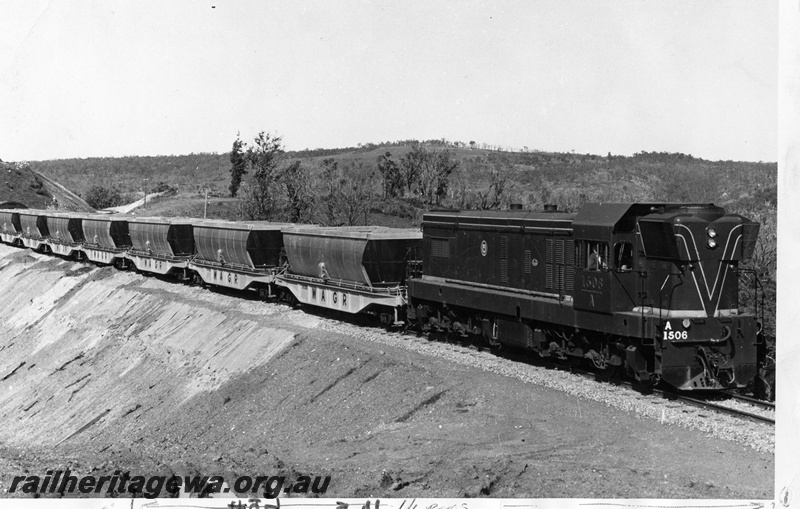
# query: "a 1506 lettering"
{"type": "Point", "coordinates": [592, 284]}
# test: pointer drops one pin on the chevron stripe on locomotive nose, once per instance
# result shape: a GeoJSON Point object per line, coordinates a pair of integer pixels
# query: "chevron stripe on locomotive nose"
{"type": "Point", "coordinates": [714, 293]}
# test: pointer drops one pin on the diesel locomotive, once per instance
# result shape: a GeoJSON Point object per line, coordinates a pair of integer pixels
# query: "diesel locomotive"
{"type": "Point", "coordinates": [648, 288]}
{"type": "Point", "coordinates": [652, 288]}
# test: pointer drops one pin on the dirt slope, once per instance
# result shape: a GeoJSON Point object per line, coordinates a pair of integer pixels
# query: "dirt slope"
{"type": "Point", "coordinates": [22, 185]}
{"type": "Point", "coordinates": [102, 370]}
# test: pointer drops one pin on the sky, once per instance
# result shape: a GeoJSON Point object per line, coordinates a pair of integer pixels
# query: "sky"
{"type": "Point", "coordinates": [113, 78]}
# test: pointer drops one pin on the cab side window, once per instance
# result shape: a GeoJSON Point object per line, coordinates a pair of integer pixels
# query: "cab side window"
{"type": "Point", "coordinates": [595, 255]}
{"type": "Point", "coordinates": [623, 256]}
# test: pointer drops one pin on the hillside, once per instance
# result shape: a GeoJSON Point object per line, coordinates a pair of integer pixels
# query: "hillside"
{"type": "Point", "coordinates": [530, 177]}
{"type": "Point", "coordinates": [25, 186]}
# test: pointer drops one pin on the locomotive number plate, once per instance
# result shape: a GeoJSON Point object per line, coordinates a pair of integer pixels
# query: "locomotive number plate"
{"type": "Point", "coordinates": [676, 334]}
{"type": "Point", "coordinates": [670, 334]}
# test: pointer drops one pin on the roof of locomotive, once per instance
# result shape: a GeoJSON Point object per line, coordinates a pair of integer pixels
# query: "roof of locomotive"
{"type": "Point", "coordinates": [593, 220]}
{"type": "Point", "coordinates": [528, 218]}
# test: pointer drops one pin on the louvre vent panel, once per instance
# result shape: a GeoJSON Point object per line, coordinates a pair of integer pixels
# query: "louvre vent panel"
{"type": "Point", "coordinates": [440, 248]}
{"type": "Point", "coordinates": [570, 254]}
{"type": "Point", "coordinates": [560, 252]}
{"type": "Point", "coordinates": [570, 278]}
{"type": "Point", "coordinates": [527, 261]}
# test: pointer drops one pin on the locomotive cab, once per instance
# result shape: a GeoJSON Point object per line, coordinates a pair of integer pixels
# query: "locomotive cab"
{"type": "Point", "coordinates": [606, 259]}
{"type": "Point", "coordinates": [662, 278]}
{"type": "Point", "coordinates": [691, 254]}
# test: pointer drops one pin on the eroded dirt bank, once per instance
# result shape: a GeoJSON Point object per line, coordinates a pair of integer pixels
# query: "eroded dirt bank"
{"type": "Point", "coordinates": [102, 370]}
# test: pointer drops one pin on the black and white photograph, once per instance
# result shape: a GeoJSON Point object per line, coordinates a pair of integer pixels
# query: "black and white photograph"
{"type": "Point", "coordinates": [401, 254]}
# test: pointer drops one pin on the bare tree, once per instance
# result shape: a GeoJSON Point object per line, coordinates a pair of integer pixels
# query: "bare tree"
{"type": "Point", "coordinates": [494, 196]}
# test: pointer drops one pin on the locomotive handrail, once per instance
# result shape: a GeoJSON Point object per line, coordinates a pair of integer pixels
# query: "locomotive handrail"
{"type": "Point", "coordinates": [756, 286]}
{"type": "Point", "coordinates": [556, 296]}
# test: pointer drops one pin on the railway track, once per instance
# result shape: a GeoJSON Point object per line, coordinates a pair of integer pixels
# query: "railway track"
{"type": "Point", "coordinates": [767, 405]}
{"type": "Point", "coordinates": [704, 403]}
{"type": "Point", "coordinates": [728, 410]}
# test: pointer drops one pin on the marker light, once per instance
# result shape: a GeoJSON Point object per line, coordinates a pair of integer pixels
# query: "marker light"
{"type": "Point", "coordinates": [686, 323]}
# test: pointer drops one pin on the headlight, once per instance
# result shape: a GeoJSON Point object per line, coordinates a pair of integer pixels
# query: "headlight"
{"type": "Point", "coordinates": [712, 232]}
{"type": "Point", "coordinates": [712, 243]}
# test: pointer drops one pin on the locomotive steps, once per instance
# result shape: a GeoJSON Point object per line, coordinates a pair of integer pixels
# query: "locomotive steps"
{"type": "Point", "coordinates": [102, 369]}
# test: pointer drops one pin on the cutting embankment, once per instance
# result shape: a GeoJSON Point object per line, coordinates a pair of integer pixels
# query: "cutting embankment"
{"type": "Point", "coordinates": [104, 370]}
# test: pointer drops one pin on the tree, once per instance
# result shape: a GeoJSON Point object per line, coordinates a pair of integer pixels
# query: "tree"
{"type": "Point", "coordinates": [392, 178]}
{"type": "Point", "coordinates": [262, 158]}
{"type": "Point", "coordinates": [99, 197]}
{"type": "Point", "coordinates": [330, 178]}
{"type": "Point", "coordinates": [238, 166]}
{"type": "Point", "coordinates": [436, 174]}
{"type": "Point", "coordinates": [354, 196]}
{"type": "Point", "coordinates": [296, 180]}
{"type": "Point", "coordinates": [411, 165]}
{"type": "Point", "coordinates": [493, 197]}
{"type": "Point", "coordinates": [349, 196]}
{"type": "Point", "coordinates": [430, 171]}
